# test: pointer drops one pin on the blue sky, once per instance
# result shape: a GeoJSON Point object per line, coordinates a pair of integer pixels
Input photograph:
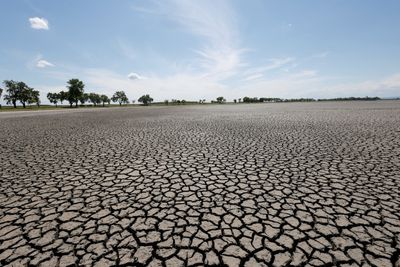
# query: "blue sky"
{"type": "Point", "coordinates": [204, 49]}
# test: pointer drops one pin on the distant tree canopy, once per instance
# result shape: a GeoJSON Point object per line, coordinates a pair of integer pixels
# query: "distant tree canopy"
{"type": "Point", "coordinates": [63, 96]}
{"type": "Point", "coordinates": [75, 91]}
{"type": "Point", "coordinates": [84, 98]}
{"type": "Point", "coordinates": [34, 98]}
{"type": "Point", "coordinates": [105, 99]}
{"type": "Point", "coordinates": [145, 99]}
{"type": "Point", "coordinates": [94, 98]}
{"type": "Point", "coordinates": [367, 98]}
{"type": "Point", "coordinates": [221, 100]}
{"type": "Point", "coordinates": [19, 91]}
{"type": "Point", "coordinates": [54, 98]}
{"type": "Point", "coordinates": [247, 99]}
{"type": "Point", "coordinates": [12, 92]}
{"type": "Point", "coordinates": [120, 97]}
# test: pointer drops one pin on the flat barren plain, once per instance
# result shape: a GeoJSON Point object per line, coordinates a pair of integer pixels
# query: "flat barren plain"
{"type": "Point", "coordinates": [279, 184]}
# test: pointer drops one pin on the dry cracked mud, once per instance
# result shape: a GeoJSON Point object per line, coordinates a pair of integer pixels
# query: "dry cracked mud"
{"type": "Point", "coordinates": [300, 184]}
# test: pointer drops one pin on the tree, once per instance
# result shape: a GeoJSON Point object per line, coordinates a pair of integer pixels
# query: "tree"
{"type": "Point", "coordinates": [1, 92]}
{"type": "Point", "coordinates": [17, 91]}
{"type": "Point", "coordinates": [34, 97]}
{"type": "Point", "coordinates": [247, 99]}
{"type": "Point", "coordinates": [95, 98]}
{"type": "Point", "coordinates": [221, 100]}
{"type": "Point", "coordinates": [145, 99]}
{"type": "Point", "coordinates": [53, 98]}
{"type": "Point", "coordinates": [12, 92]}
{"type": "Point", "coordinates": [120, 97]}
{"type": "Point", "coordinates": [75, 91]}
{"type": "Point", "coordinates": [84, 98]}
{"type": "Point", "coordinates": [63, 96]}
{"type": "Point", "coordinates": [25, 93]}
{"type": "Point", "coordinates": [234, 101]}
{"type": "Point", "coordinates": [105, 99]}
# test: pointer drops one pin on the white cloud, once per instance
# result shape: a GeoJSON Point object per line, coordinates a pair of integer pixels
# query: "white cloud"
{"type": "Point", "coordinates": [253, 77]}
{"type": "Point", "coordinates": [39, 23]}
{"type": "Point", "coordinates": [214, 23]}
{"type": "Point", "coordinates": [273, 65]}
{"type": "Point", "coordinates": [161, 88]}
{"type": "Point", "coordinates": [219, 67]}
{"type": "Point", "coordinates": [41, 63]}
{"type": "Point", "coordinates": [134, 76]}
{"type": "Point", "coordinates": [387, 86]}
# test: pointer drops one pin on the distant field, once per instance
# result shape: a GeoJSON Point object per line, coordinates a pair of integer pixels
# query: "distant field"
{"type": "Point", "coordinates": [50, 107]}
{"type": "Point", "coordinates": [234, 185]}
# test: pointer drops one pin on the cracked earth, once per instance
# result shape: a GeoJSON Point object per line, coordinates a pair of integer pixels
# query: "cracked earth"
{"type": "Point", "coordinates": [314, 184]}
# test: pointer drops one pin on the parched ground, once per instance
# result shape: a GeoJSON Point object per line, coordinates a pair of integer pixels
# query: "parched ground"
{"type": "Point", "coordinates": [233, 185]}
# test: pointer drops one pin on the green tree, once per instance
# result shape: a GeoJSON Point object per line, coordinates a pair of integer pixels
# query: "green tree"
{"type": "Point", "coordinates": [221, 100]}
{"type": "Point", "coordinates": [12, 92]}
{"type": "Point", "coordinates": [95, 98]}
{"type": "Point", "coordinates": [63, 96]}
{"type": "Point", "coordinates": [1, 92]}
{"type": "Point", "coordinates": [105, 99]}
{"type": "Point", "coordinates": [19, 91]}
{"type": "Point", "coordinates": [120, 97]}
{"type": "Point", "coordinates": [75, 91]}
{"type": "Point", "coordinates": [145, 99]}
{"type": "Point", "coordinates": [53, 98]}
{"type": "Point", "coordinates": [25, 93]}
{"type": "Point", "coordinates": [84, 98]}
{"type": "Point", "coordinates": [34, 97]}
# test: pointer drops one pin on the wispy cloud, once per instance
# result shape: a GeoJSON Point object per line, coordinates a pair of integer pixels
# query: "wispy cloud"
{"type": "Point", "coordinates": [214, 24]}
{"type": "Point", "coordinates": [172, 86]}
{"type": "Point", "coordinates": [41, 63]}
{"type": "Point", "coordinates": [134, 76]}
{"type": "Point", "coordinates": [218, 65]}
{"type": "Point", "coordinates": [273, 64]}
{"type": "Point", "coordinates": [386, 86]}
{"type": "Point", "coordinates": [39, 23]}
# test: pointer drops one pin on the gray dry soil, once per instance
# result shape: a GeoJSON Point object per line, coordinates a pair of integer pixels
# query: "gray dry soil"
{"type": "Point", "coordinates": [234, 185]}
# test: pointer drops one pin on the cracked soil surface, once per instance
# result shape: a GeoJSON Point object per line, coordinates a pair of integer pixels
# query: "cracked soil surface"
{"type": "Point", "coordinates": [315, 184]}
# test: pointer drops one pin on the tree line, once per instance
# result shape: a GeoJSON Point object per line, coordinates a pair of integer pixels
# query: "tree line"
{"type": "Point", "coordinates": [20, 92]}
{"type": "Point", "coordinates": [16, 91]}
{"type": "Point", "coordinates": [247, 99]}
